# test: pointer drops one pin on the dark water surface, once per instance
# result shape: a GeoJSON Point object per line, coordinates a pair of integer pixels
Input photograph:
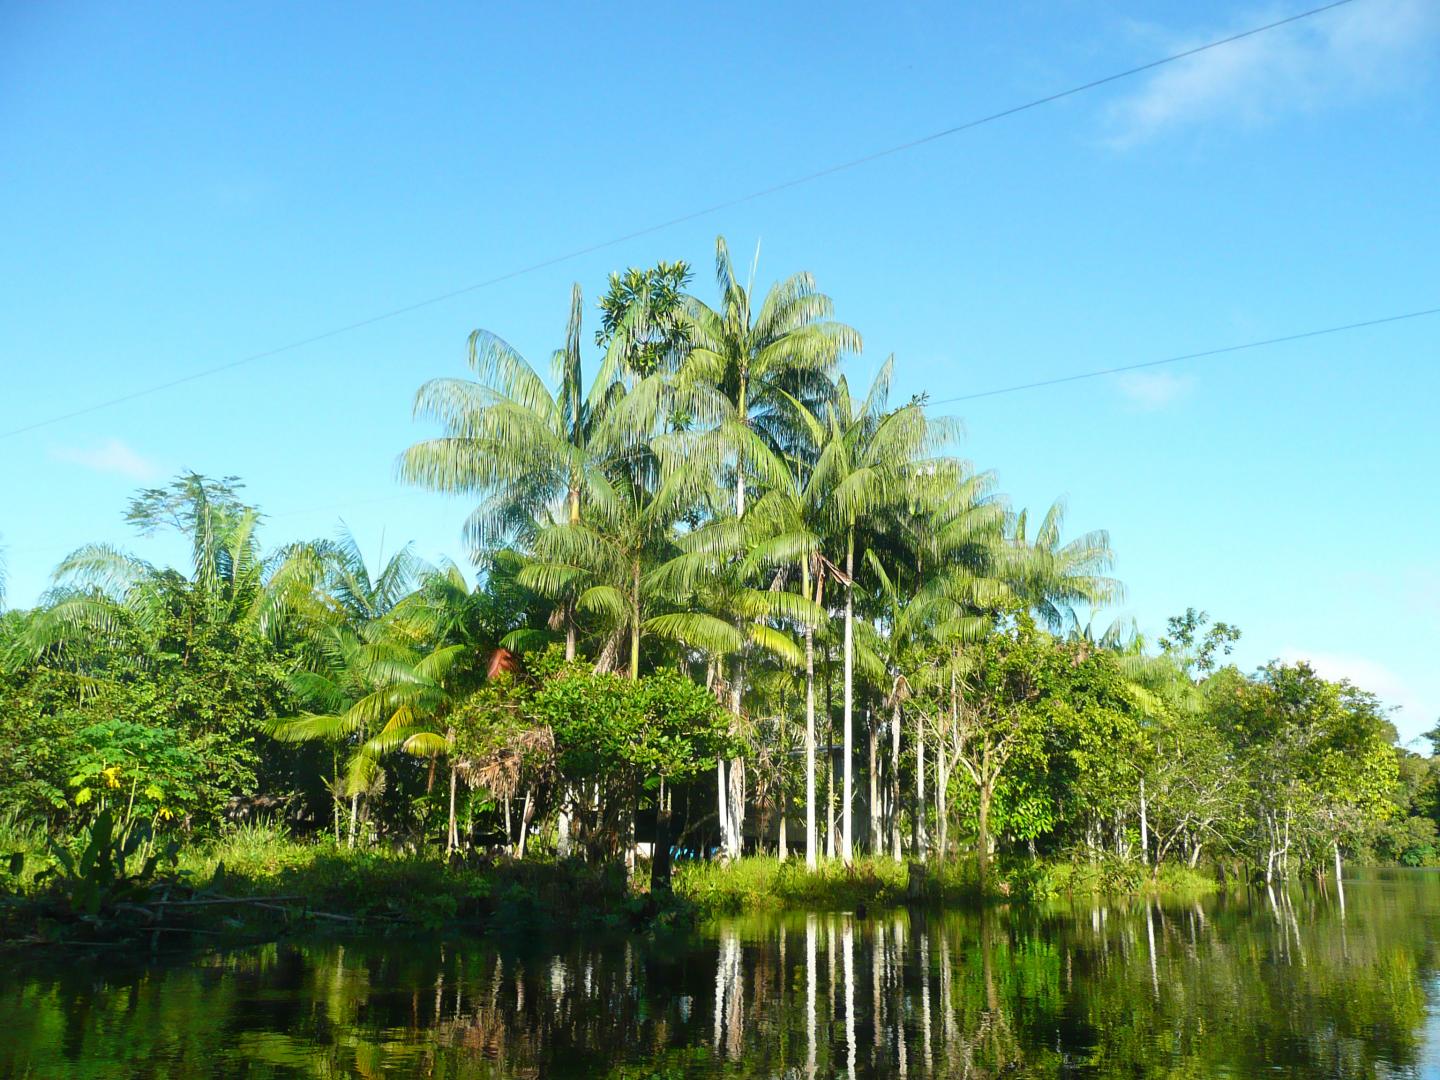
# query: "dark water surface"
{"type": "Point", "coordinates": [1229, 986]}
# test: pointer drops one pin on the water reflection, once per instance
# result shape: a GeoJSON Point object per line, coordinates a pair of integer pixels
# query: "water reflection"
{"type": "Point", "coordinates": [1273, 982]}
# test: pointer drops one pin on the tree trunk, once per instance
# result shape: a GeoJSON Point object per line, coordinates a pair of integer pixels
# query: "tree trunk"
{"type": "Point", "coordinates": [1339, 879]}
{"type": "Point", "coordinates": [921, 841]}
{"type": "Point", "coordinates": [635, 623]}
{"type": "Point", "coordinates": [983, 833]}
{"type": "Point", "coordinates": [895, 844]}
{"type": "Point", "coordinates": [1144, 829]}
{"type": "Point", "coordinates": [811, 841]}
{"type": "Point", "coordinates": [335, 791]}
{"type": "Point", "coordinates": [452, 836]}
{"type": "Point", "coordinates": [525, 816]}
{"type": "Point", "coordinates": [875, 838]}
{"type": "Point", "coordinates": [660, 861]}
{"type": "Point", "coordinates": [354, 817]}
{"type": "Point", "coordinates": [737, 806]}
{"type": "Point", "coordinates": [735, 798]}
{"type": "Point", "coordinates": [562, 825]}
{"type": "Point", "coordinates": [942, 784]}
{"type": "Point", "coordinates": [847, 797]}
{"type": "Point", "coordinates": [722, 808]}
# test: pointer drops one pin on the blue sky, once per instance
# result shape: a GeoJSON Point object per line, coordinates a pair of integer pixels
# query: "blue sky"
{"type": "Point", "coordinates": [190, 184]}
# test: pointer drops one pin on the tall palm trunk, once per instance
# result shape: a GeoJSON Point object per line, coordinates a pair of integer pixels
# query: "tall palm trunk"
{"type": "Point", "coordinates": [573, 500]}
{"type": "Point", "coordinates": [811, 853]}
{"type": "Point", "coordinates": [874, 837]}
{"type": "Point", "coordinates": [895, 843]}
{"type": "Point", "coordinates": [847, 808]}
{"type": "Point", "coordinates": [452, 835]}
{"type": "Point", "coordinates": [635, 621]}
{"type": "Point", "coordinates": [722, 807]}
{"type": "Point", "coordinates": [921, 841]}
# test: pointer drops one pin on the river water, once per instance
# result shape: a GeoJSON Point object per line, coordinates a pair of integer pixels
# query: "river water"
{"type": "Point", "coordinates": [1240, 985]}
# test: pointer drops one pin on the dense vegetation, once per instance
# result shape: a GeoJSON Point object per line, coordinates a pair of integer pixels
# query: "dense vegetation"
{"type": "Point", "coordinates": [723, 604]}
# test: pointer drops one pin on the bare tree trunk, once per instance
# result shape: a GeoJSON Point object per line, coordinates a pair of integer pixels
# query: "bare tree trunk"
{"type": "Point", "coordinates": [1339, 879]}
{"type": "Point", "coordinates": [562, 842]}
{"type": "Point", "coordinates": [452, 837]}
{"type": "Point", "coordinates": [921, 841]}
{"type": "Point", "coordinates": [525, 816]}
{"type": "Point", "coordinates": [847, 805]}
{"type": "Point", "coordinates": [942, 811]}
{"type": "Point", "coordinates": [736, 802]}
{"type": "Point", "coordinates": [660, 860]}
{"type": "Point", "coordinates": [895, 845]}
{"type": "Point", "coordinates": [830, 793]}
{"type": "Point", "coordinates": [1144, 829]}
{"type": "Point", "coordinates": [735, 799]}
{"type": "Point", "coordinates": [983, 832]}
{"type": "Point", "coordinates": [875, 839]}
{"type": "Point", "coordinates": [335, 791]}
{"type": "Point", "coordinates": [811, 846]}
{"type": "Point", "coordinates": [354, 817]}
{"type": "Point", "coordinates": [722, 808]}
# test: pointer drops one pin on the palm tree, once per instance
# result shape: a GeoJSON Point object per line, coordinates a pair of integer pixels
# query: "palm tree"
{"type": "Point", "coordinates": [720, 611]}
{"type": "Point", "coordinates": [609, 557]}
{"type": "Point", "coordinates": [372, 693]}
{"type": "Point", "coordinates": [531, 455]}
{"type": "Point", "coordinates": [230, 581]}
{"type": "Point", "coordinates": [1051, 577]}
{"type": "Point", "coordinates": [867, 462]}
{"type": "Point", "coordinates": [742, 368]}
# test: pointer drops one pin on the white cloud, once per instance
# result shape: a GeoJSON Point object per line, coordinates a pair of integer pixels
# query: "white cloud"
{"type": "Point", "coordinates": [1151, 390]}
{"type": "Point", "coordinates": [1416, 714]}
{"type": "Point", "coordinates": [111, 456]}
{"type": "Point", "coordinates": [1364, 48]}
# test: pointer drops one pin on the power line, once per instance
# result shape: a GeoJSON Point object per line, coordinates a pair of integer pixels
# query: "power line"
{"type": "Point", "coordinates": [1188, 356]}
{"type": "Point", "coordinates": [761, 193]}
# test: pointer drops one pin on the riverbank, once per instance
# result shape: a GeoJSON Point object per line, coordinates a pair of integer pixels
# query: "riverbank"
{"type": "Point", "coordinates": [260, 884]}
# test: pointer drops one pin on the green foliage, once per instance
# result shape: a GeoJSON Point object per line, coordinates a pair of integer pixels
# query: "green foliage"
{"type": "Point", "coordinates": [100, 871]}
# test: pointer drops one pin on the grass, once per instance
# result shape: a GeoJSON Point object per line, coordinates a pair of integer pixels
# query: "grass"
{"type": "Point", "coordinates": [321, 883]}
